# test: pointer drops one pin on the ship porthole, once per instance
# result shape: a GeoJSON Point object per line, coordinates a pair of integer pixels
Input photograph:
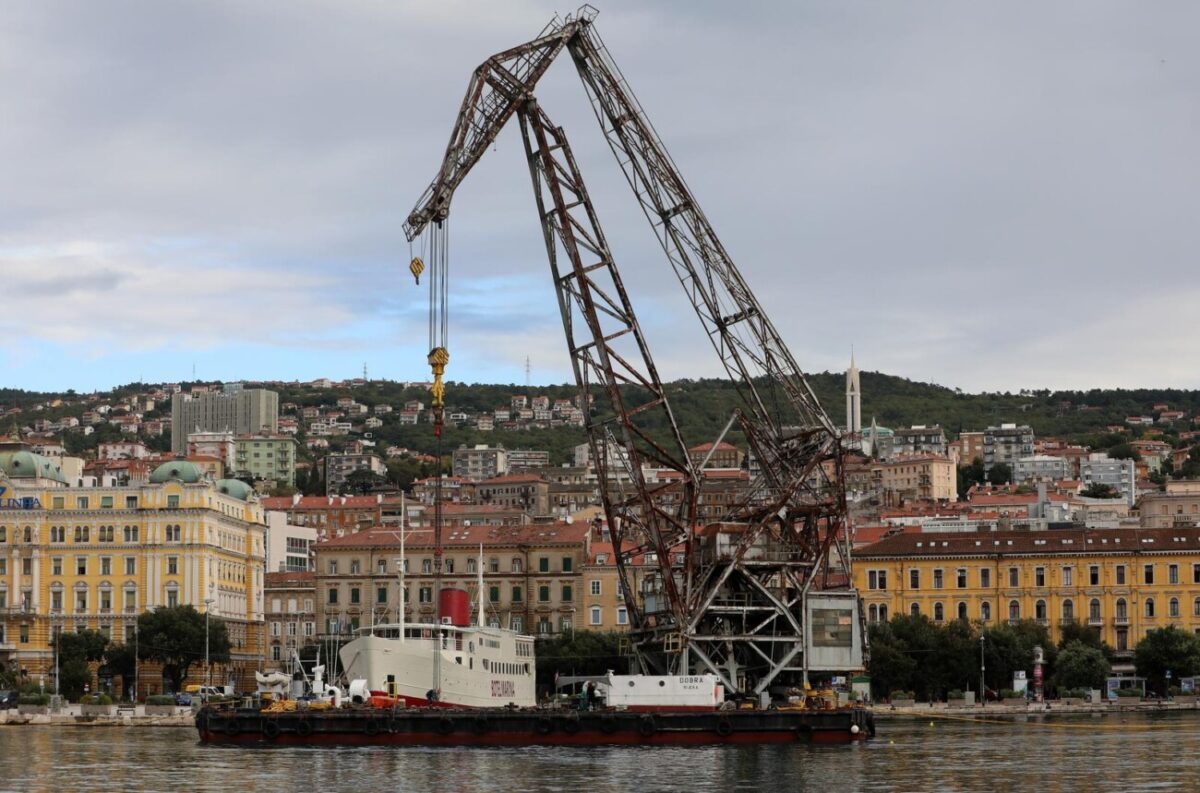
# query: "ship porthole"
{"type": "Point", "coordinates": [724, 727]}
{"type": "Point", "coordinates": [445, 725]}
{"type": "Point", "coordinates": [647, 726]}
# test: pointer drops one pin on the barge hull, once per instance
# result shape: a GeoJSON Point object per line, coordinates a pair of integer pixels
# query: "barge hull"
{"type": "Point", "coordinates": [443, 727]}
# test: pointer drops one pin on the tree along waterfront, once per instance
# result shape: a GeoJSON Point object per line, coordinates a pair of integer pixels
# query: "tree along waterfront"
{"type": "Point", "coordinates": [930, 659]}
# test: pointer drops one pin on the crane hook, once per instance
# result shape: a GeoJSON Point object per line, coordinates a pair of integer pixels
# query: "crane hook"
{"type": "Point", "coordinates": [416, 267]}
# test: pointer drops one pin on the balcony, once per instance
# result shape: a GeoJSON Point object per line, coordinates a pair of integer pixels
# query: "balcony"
{"type": "Point", "coordinates": [1065, 621]}
{"type": "Point", "coordinates": [1095, 621]}
{"type": "Point", "coordinates": [1121, 619]}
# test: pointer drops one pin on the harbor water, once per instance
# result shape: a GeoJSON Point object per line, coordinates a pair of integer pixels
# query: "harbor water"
{"type": "Point", "coordinates": [1126, 752]}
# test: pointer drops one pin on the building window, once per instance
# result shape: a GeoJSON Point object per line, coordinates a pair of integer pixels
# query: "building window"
{"type": "Point", "coordinates": [938, 583]}
{"type": "Point", "coordinates": [81, 565]}
{"type": "Point", "coordinates": [543, 594]}
{"type": "Point", "coordinates": [594, 615]}
{"type": "Point", "coordinates": [172, 502]}
{"type": "Point", "coordinates": [961, 576]}
{"type": "Point", "coordinates": [353, 567]}
{"type": "Point", "coordinates": [472, 565]}
{"type": "Point", "coordinates": [1122, 610]}
{"type": "Point", "coordinates": [914, 610]}
{"type": "Point", "coordinates": [1068, 611]}
{"type": "Point", "coordinates": [914, 579]}
{"type": "Point", "coordinates": [494, 594]}
{"type": "Point", "coordinates": [381, 594]}
{"type": "Point", "coordinates": [1120, 575]}
{"type": "Point", "coordinates": [1068, 576]}
{"type": "Point", "coordinates": [27, 566]}
{"type": "Point", "coordinates": [130, 565]}
{"type": "Point", "coordinates": [172, 565]}
{"type": "Point", "coordinates": [622, 616]}
{"type": "Point", "coordinates": [1094, 575]}
{"type": "Point", "coordinates": [1039, 611]}
{"type": "Point", "coordinates": [938, 614]}
{"type": "Point", "coordinates": [173, 533]}
{"type": "Point", "coordinates": [332, 567]}
{"type": "Point", "coordinates": [425, 595]}
{"type": "Point", "coordinates": [1094, 610]}
{"type": "Point", "coordinates": [516, 594]}
{"type": "Point", "coordinates": [1014, 576]}
{"type": "Point", "coordinates": [333, 596]}
{"type": "Point", "coordinates": [595, 585]}
{"type": "Point", "coordinates": [56, 566]}
{"type": "Point", "coordinates": [985, 577]}
{"type": "Point", "coordinates": [355, 597]}
{"type": "Point", "coordinates": [568, 564]}
{"type": "Point", "coordinates": [494, 565]}
{"type": "Point", "coordinates": [962, 610]}
{"type": "Point", "coordinates": [877, 579]}
{"type": "Point", "coordinates": [105, 565]}
{"type": "Point", "coordinates": [1173, 574]}
{"type": "Point", "coordinates": [82, 533]}
{"type": "Point", "coordinates": [426, 566]}
{"type": "Point", "coordinates": [1039, 577]}
{"type": "Point", "coordinates": [449, 564]}
{"type": "Point", "coordinates": [543, 564]}
{"type": "Point", "coordinates": [131, 534]}
{"type": "Point", "coordinates": [1014, 610]}
{"type": "Point", "coordinates": [1173, 607]}
{"type": "Point", "coordinates": [1196, 607]}
{"type": "Point", "coordinates": [516, 564]}
{"type": "Point", "coordinates": [1148, 574]}
{"type": "Point", "coordinates": [1149, 607]}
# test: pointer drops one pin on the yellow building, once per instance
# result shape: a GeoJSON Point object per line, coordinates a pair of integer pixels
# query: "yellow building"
{"type": "Point", "coordinates": [604, 606]}
{"type": "Point", "coordinates": [97, 557]}
{"type": "Point", "coordinates": [923, 477]}
{"type": "Point", "coordinates": [1123, 581]}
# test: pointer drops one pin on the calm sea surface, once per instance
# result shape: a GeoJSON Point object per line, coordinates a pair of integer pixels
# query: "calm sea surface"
{"type": "Point", "coordinates": [1125, 753]}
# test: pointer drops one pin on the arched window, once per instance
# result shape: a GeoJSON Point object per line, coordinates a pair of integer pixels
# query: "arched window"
{"type": "Point", "coordinates": [1094, 610]}
{"type": "Point", "coordinates": [915, 609]}
{"type": "Point", "coordinates": [1149, 607]}
{"type": "Point", "coordinates": [1173, 607]}
{"type": "Point", "coordinates": [1039, 610]}
{"type": "Point", "coordinates": [938, 612]}
{"type": "Point", "coordinates": [1014, 610]}
{"type": "Point", "coordinates": [1122, 609]}
{"type": "Point", "coordinates": [962, 610]}
{"type": "Point", "coordinates": [1068, 609]}
{"type": "Point", "coordinates": [1196, 607]}
{"type": "Point", "coordinates": [985, 611]}
{"type": "Point", "coordinates": [872, 613]}
{"type": "Point", "coordinates": [883, 613]}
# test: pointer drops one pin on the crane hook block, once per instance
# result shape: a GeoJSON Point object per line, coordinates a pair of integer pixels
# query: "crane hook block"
{"type": "Point", "coordinates": [416, 267]}
{"type": "Point", "coordinates": [438, 358]}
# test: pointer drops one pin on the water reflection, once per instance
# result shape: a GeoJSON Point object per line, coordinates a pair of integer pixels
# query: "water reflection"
{"type": "Point", "coordinates": [1152, 752]}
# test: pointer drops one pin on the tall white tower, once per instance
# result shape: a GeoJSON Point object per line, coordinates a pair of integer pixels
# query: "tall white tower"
{"type": "Point", "coordinates": [853, 400]}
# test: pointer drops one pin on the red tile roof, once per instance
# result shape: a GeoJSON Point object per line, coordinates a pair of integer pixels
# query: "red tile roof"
{"type": "Point", "coordinates": [319, 502]}
{"type": "Point", "coordinates": [290, 579]}
{"type": "Point", "coordinates": [527, 534]}
{"type": "Point", "coordinates": [1075, 542]}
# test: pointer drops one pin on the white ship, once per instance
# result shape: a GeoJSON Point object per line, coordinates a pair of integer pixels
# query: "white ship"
{"type": "Point", "coordinates": [475, 667]}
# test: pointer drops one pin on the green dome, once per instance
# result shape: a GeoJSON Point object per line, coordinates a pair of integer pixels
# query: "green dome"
{"type": "Point", "coordinates": [181, 470]}
{"type": "Point", "coordinates": [236, 488]}
{"type": "Point", "coordinates": [27, 465]}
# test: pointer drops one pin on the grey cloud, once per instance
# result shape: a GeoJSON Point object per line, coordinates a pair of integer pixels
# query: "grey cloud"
{"type": "Point", "coordinates": [957, 189]}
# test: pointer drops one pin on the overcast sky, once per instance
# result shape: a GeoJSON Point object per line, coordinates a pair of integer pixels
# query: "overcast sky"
{"type": "Point", "coordinates": [984, 195]}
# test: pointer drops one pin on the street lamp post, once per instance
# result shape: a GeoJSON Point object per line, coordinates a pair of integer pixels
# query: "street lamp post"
{"type": "Point", "coordinates": [982, 687]}
{"type": "Point", "coordinates": [207, 667]}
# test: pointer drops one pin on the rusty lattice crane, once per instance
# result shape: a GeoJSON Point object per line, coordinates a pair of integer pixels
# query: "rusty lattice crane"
{"type": "Point", "coordinates": [761, 597]}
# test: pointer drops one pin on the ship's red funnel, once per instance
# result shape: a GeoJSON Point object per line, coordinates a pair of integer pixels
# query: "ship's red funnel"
{"type": "Point", "coordinates": [454, 607]}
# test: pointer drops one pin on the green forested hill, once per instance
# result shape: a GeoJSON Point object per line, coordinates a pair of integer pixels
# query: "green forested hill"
{"type": "Point", "coordinates": [703, 406]}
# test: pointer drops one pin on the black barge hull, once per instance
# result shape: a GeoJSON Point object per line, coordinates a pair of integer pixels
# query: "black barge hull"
{"type": "Point", "coordinates": [442, 727]}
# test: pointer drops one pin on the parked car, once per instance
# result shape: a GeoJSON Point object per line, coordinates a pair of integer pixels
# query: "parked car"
{"type": "Point", "coordinates": [183, 699]}
{"type": "Point", "coordinates": [8, 700]}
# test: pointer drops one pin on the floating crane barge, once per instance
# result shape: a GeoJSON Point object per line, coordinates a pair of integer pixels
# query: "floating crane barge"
{"type": "Point", "coordinates": [525, 727]}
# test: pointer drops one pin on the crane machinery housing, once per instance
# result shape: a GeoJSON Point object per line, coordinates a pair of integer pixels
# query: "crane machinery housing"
{"type": "Point", "coordinates": [763, 596]}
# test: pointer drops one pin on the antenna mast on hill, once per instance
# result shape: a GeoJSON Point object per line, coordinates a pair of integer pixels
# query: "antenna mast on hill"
{"type": "Point", "coordinates": [527, 371]}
